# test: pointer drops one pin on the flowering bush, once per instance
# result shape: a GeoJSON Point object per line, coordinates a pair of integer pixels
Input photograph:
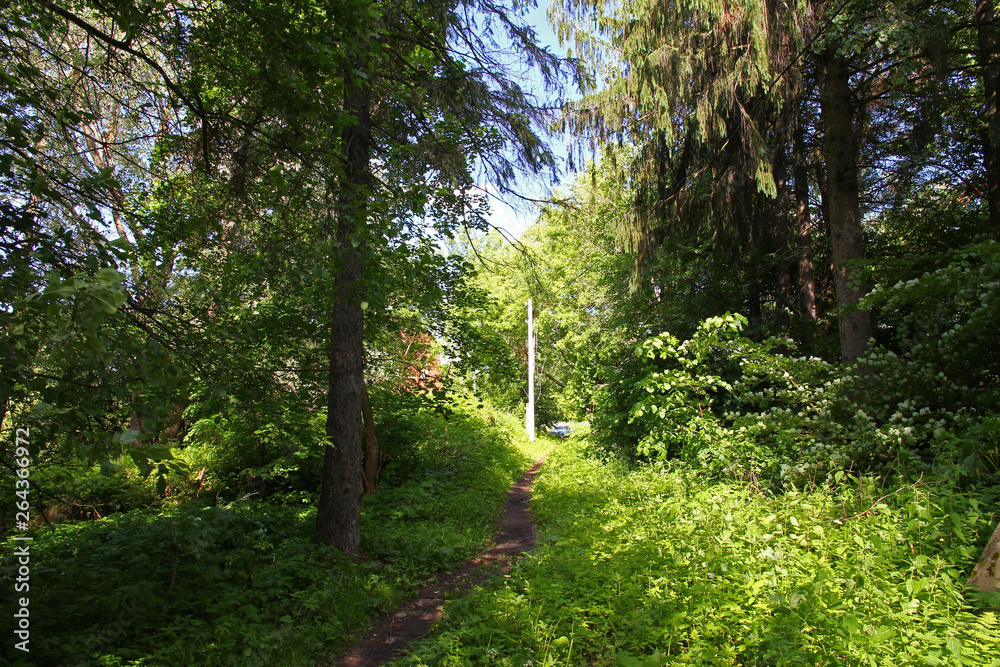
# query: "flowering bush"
{"type": "Point", "coordinates": [928, 397]}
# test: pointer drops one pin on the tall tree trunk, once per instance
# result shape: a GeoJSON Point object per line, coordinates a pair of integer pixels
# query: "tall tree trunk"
{"type": "Point", "coordinates": [841, 152]}
{"type": "Point", "coordinates": [989, 63]}
{"type": "Point", "coordinates": [755, 331]}
{"type": "Point", "coordinates": [338, 519]}
{"type": "Point", "coordinates": [782, 293]}
{"type": "Point", "coordinates": [372, 451]}
{"type": "Point", "coordinates": [4, 399]}
{"type": "Point", "coordinates": [807, 283]}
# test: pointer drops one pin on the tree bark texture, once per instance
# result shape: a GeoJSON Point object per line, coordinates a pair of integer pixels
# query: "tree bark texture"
{"type": "Point", "coordinates": [841, 147]}
{"type": "Point", "coordinates": [807, 283]}
{"type": "Point", "coordinates": [755, 330]}
{"type": "Point", "coordinates": [338, 519]}
{"type": "Point", "coordinates": [782, 292]}
{"type": "Point", "coordinates": [989, 63]}
{"type": "Point", "coordinates": [372, 451]}
{"type": "Point", "coordinates": [986, 574]}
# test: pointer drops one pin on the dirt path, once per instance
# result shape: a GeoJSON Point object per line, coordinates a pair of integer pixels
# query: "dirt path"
{"type": "Point", "coordinates": [413, 619]}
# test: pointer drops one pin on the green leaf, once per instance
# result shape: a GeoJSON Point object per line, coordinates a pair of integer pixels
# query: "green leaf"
{"type": "Point", "coordinates": [127, 436]}
{"type": "Point", "coordinates": [108, 307]}
{"type": "Point", "coordinates": [108, 277]}
{"type": "Point", "coordinates": [109, 467]}
{"type": "Point", "coordinates": [65, 289]}
{"type": "Point", "coordinates": [41, 409]}
{"type": "Point", "coordinates": [158, 452]}
{"type": "Point", "coordinates": [144, 467]}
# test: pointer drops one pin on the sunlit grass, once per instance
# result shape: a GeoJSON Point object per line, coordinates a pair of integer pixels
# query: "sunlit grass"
{"type": "Point", "coordinates": [635, 562]}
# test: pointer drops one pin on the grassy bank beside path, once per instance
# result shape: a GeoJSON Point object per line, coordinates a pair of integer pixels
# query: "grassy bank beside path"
{"type": "Point", "coordinates": [648, 566]}
{"type": "Point", "coordinates": [243, 584]}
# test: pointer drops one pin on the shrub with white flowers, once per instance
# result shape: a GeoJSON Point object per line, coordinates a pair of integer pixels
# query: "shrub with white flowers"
{"type": "Point", "coordinates": [929, 397]}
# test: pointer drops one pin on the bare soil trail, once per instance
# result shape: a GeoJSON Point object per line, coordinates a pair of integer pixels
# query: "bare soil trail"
{"type": "Point", "coordinates": [413, 619]}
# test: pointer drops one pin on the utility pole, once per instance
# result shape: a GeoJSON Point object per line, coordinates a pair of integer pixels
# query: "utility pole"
{"type": "Point", "coordinates": [529, 415]}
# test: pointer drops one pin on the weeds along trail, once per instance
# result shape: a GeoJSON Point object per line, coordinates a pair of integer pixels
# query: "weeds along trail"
{"type": "Point", "coordinates": [226, 578]}
{"type": "Point", "coordinates": [660, 564]}
{"type": "Point", "coordinates": [393, 632]}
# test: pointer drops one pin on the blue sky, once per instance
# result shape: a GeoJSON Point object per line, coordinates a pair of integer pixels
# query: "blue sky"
{"type": "Point", "coordinates": [515, 217]}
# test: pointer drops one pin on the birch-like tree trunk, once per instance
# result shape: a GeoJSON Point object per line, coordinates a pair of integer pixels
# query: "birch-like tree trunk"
{"type": "Point", "coordinates": [782, 293]}
{"type": "Point", "coordinates": [372, 451]}
{"type": "Point", "coordinates": [986, 574]}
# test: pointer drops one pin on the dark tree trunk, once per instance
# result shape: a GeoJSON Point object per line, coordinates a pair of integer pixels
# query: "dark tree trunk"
{"type": "Point", "coordinates": [807, 283]}
{"type": "Point", "coordinates": [782, 293]}
{"type": "Point", "coordinates": [338, 519]}
{"type": "Point", "coordinates": [989, 62]}
{"type": "Point", "coordinates": [755, 332]}
{"type": "Point", "coordinates": [841, 152]}
{"type": "Point", "coordinates": [4, 399]}
{"type": "Point", "coordinates": [372, 452]}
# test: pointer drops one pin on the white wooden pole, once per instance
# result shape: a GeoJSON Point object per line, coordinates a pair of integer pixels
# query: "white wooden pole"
{"type": "Point", "coordinates": [529, 416]}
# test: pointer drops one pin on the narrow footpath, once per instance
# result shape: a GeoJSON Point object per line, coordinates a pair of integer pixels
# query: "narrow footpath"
{"type": "Point", "coordinates": [413, 619]}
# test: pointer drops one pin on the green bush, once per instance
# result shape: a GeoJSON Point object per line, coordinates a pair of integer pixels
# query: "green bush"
{"type": "Point", "coordinates": [447, 475]}
{"type": "Point", "coordinates": [242, 453]}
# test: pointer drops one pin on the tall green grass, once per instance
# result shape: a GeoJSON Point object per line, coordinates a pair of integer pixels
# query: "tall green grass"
{"type": "Point", "coordinates": [653, 565]}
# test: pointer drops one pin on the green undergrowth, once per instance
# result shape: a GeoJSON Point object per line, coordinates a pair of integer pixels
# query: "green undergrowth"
{"type": "Point", "coordinates": [654, 565]}
{"type": "Point", "coordinates": [243, 584]}
{"type": "Point", "coordinates": [456, 480]}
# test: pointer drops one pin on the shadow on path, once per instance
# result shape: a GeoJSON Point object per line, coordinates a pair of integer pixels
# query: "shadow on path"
{"type": "Point", "coordinates": [412, 620]}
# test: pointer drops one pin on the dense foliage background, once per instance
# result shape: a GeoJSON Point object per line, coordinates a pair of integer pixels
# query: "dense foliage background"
{"type": "Point", "coordinates": [242, 238]}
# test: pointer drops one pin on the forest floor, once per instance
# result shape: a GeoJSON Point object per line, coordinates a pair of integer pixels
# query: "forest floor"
{"type": "Point", "coordinates": [392, 632]}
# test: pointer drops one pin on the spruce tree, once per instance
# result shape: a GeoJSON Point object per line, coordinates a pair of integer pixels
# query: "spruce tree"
{"type": "Point", "coordinates": [434, 98]}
